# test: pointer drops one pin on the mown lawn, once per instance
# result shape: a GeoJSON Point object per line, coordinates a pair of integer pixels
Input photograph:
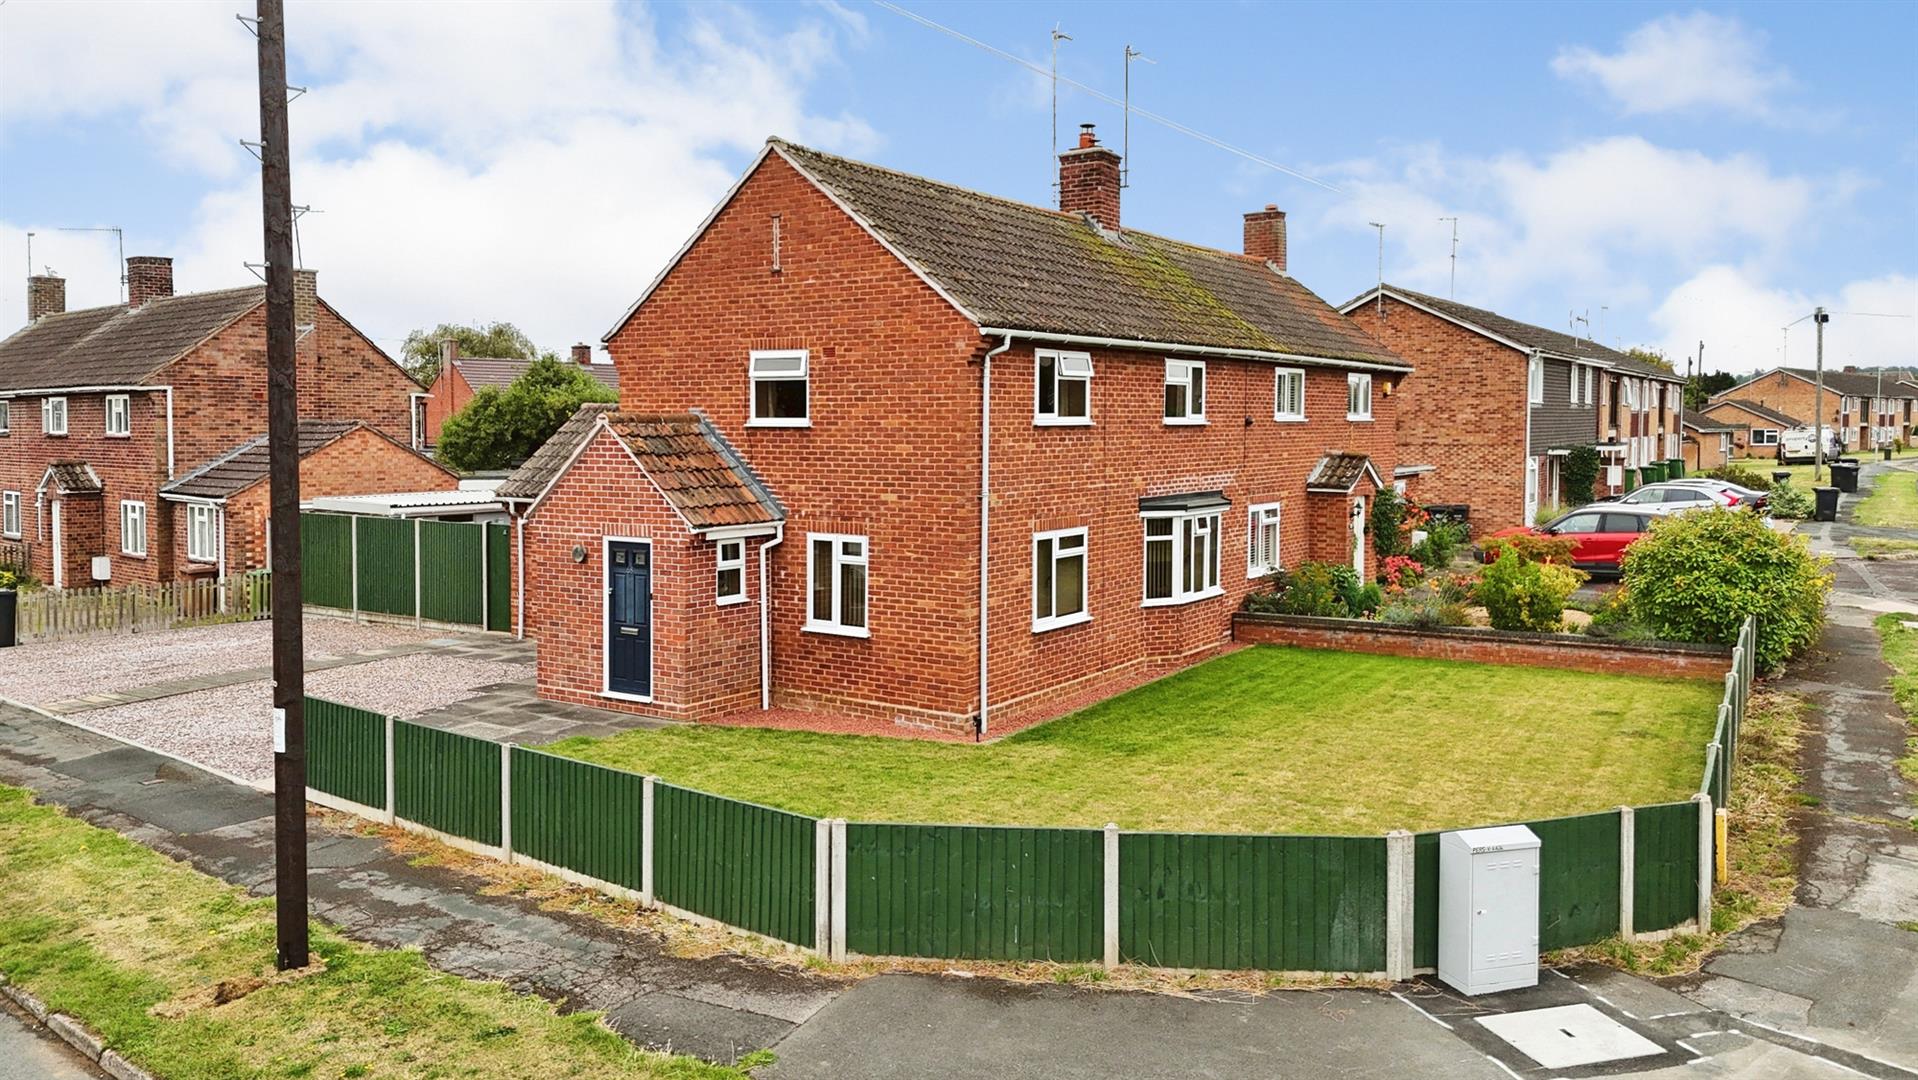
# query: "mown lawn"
{"type": "Point", "coordinates": [1267, 739]}
{"type": "Point", "coordinates": [134, 945]}
{"type": "Point", "coordinates": [1893, 501]}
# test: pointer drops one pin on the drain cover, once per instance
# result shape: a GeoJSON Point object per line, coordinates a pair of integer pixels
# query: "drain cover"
{"type": "Point", "coordinates": [1569, 1035]}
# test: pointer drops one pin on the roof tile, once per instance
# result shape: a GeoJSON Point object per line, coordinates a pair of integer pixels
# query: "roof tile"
{"type": "Point", "coordinates": [116, 345]}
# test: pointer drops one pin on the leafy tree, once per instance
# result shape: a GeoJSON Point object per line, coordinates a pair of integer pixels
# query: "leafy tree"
{"type": "Point", "coordinates": [501, 428]}
{"type": "Point", "coordinates": [1647, 356]}
{"type": "Point", "coordinates": [420, 355]}
{"type": "Point", "coordinates": [1578, 474]}
{"type": "Point", "coordinates": [1701, 388]}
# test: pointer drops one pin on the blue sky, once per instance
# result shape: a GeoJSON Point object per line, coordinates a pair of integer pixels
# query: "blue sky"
{"type": "Point", "coordinates": [1676, 173]}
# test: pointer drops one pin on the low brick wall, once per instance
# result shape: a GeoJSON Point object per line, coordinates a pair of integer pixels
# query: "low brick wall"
{"type": "Point", "coordinates": [1565, 651]}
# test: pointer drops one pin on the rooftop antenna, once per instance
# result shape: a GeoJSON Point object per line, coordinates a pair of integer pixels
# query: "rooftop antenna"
{"type": "Point", "coordinates": [1452, 293]}
{"type": "Point", "coordinates": [299, 259]}
{"type": "Point", "coordinates": [1052, 153]}
{"type": "Point", "coordinates": [1380, 226]}
{"type": "Point", "coordinates": [1125, 149]}
{"type": "Point", "coordinates": [1575, 318]}
{"type": "Point", "coordinates": [119, 237]}
{"type": "Point", "coordinates": [1602, 309]}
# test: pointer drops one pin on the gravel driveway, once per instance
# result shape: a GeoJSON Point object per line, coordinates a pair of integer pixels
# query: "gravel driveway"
{"type": "Point", "coordinates": [230, 729]}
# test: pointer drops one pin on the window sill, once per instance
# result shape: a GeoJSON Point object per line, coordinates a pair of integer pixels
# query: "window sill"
{"type": "Point", "coordinates": [133, 555]}
{"type": "Point", "coordinates": [205, 560]}
{"type": "Point", "coordinates": [835, 630]}
{"type": "Point", "coordinates": [1254, 573]}
{"type": "Point", "coordinates": [118, 434]}
{"type": "Point", "coordinates": [1289, 419]}
{"type": "Point", "coordinates": [730, 601]}
{"type": "Point", "coordinates": [756, 423]}
{"type": "Point", "coordinates": [1040, 626]}
{"type": "Point", "coordinates": [615, 695]}
{"type": "Point", "coordinates": [1054, 421]}
{"type": "Point", "coordinates": [1354, 418]}
{"type": "Point", "coordinates": [1181, 601]}
{"type": "Point", "coordinates": [1188, 421]}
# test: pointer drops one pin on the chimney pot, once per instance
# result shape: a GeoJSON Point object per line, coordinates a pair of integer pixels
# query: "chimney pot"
{"type": "Point", "coordinates": [582, 354]}
{"type": "Point", "coordinates": [149, 277]}
{"type": "Point", "coordinates": [46, 295]}
{"type": "Point", "coordinates": [1086, 136]}
{"type": "Point", "coordinates": [306, 297]}
{"type": "Point", "coordinates": [1089, 180]}
{"type": "Point", "coordinates": [1265, 235]}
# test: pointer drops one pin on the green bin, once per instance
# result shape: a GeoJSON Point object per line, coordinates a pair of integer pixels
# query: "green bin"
{"type": "Point", "coordinates": [1653, 472]}
{"type": "Point", "coordinates": [1675, 468]}
{"type": "Point", "coordinates": [1631, 479]}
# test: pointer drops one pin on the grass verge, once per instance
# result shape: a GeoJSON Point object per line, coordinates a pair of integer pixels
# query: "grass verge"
{"type": "Point", "coordinates": [1893, 501]}
{"type": "Point", "coordinates": [1265, 739]}
{"type": "Point", "coordinates": [174, 970]}
{"type": "Point", "coordinates": [1761, 869]}
{"type": "Point", "coordinates": [1878, 547]}
{"type": "Point", "coordinates": [1900, 645]}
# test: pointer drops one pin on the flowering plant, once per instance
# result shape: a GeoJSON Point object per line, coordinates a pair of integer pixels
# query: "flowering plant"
{"type": "Point", "coordinates": [1401, 572]}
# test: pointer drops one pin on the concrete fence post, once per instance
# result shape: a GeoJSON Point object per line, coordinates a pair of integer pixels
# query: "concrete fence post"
{"type": "Point", "coordinates": [822, 886]}
{"type": "Point", "coordinates": [505, 801]}
{"type": "Point", "coordinates": [1706, 827]}
{"type": "Point", "coordinates": [1110, 926]}
{"type": "Point", "coordinates": [1400, 904]}
{"type": "Point", "coordinates": [838, 953]}
{"type": "Point", "coordinates": [416, 571]}
{"type": "Point", "coordinates": [353, 559]}
{"type": "Point", "coordinates": [1627, 871]}
{"type": "Point", "coordinates": [391, 806]}
{"type": "Point", "coordinates": [648, 822]}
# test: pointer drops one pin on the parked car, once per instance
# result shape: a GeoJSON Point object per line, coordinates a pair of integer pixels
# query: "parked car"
{"type": "Point", "coordinates": [1599, 533]}
{"type": "Point", "coordinates": [1674, 498]}
{"type": "Point", "coordinates": [1736, 494]}
{"type": "Point", "coordinates": [1796, 445]}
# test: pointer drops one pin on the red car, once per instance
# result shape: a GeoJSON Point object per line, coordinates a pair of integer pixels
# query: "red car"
{"type": "Point", "coordinates": [1599, 533]}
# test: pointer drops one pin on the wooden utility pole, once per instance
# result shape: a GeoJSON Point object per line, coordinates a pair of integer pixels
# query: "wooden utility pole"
{"type": "Point", "coordinates": [1818, 319]}
{"type": "Point", "coordinates": [283, 454]}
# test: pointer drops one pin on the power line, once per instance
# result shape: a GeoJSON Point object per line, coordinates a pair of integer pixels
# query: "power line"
{"type": "Point", "coordinates": [1109, 99]}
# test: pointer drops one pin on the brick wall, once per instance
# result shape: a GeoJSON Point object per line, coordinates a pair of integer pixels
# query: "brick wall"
{"type": "Point", "coordinates": [451, 392]}
{"type": "Point", "coordinates": [129, 467]}
{"type": "Point", "coordinates": [1794, 396]}
{"type": "Point", "coordinates": [1485, 646]}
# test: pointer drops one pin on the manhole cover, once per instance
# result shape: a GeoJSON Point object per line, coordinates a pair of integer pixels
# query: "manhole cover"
{"type": "Point", "coordinates": [1569, 1036]}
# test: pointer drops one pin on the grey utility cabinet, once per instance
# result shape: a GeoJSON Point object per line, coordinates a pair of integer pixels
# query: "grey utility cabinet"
{"type": "Point", "coordinates": [1488, 909]}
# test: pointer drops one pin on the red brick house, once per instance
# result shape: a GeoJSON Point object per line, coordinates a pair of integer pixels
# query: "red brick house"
{"type": "Point", "coordinates": [860, 408]}
{"type": "Point", "coordinates": [1756, 427]}
{"type": "Point", "coordinates": [101, 408]}
{"type": "Point", "coordinates": [461, 377]}
{"type": "Point", "coordinates": [1866, 409]}
{"type": "Point", "coordinates": [1498, 404]}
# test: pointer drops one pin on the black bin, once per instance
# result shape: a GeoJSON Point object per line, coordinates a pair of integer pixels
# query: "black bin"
{"type": "Point", "coordinates": [9, 607]}
{"type": "Point", "coordinates": [1781, 476]}
{"type": "Point", "coordinates": [1827, 504]}
{"type": "Point", "coordinates": [1458, 513]}
{"type": "Point", "coordinates": [1844, 474]}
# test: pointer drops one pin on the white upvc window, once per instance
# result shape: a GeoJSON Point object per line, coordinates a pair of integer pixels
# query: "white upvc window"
{"type": "Point", "coordinates": [1535, 380]}
{"type": "Point", "coordinates": [119, 416]}
{"type": "Point", "coordinates": [729, 586]}
{"type": "Point", "coordinates": [1185, 391]}
{"type": "Point", "coordinates": [1288, 394]}
{"type": "Point", "coordinates": [202, 533]}
{"type": "Point", "coordinates": [1059, 579]}
{"type": "Point", "coordinates": [10, 514]}
{"type": "Point", "coordinates": [1062, 387]}
{"type": "Point", "coordinates": [836, 573]}
{"type": "Point", "coordinates": [1262, 540]}
{"type": "Point", "coordinates": [133, 527]}
{"type": "Point", "coordinates": [1590, 378]}
{"type": "Point", "coordinates": [1631, 393]}
{"type": "Point", "coordinates": [1764, 436]}
{"type": "Point", "coordinates": [780, 388]}
{"type": "Point", "coordinates": [6, 417]}
{"type": "Point", "coordinates": [1181, 557]}
{"type": "Point", "coordinates": [1358, 396]}
{"type": "Point", "coordinates": [53, 416]}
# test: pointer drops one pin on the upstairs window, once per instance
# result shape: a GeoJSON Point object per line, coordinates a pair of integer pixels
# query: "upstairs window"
{"type": "Point", "coordinates": [1577, 377]}
{"type": "Point", "coordinates": [779, 381]}
{"type": "Point", "coordinates": [1262, 541]}
{"type": "Point", "coordinates": [1058, 579]}
{"type": "Point", "coordinates": [10, 514]}
{"type": "Point", "coordinates": [1288, 394]}
{"type": "Point", "coordinates": [6, 417]}
{"type": "Point", "coordinates": [1181, 558]}
{"type": "Point", "coordinates": [1064, 391]}
{"type": "Point", "coordinates": [53, 416]}
{"type": "Point", "coordinates": [1535, 380]}
{"type": "Point", "coordinates": [730, 583]}
{"type": "Point", "coordinates": [836, 571]}
{"type": "Point", "coordinates": [1358, 396]}
{"type": "Point", "coordinates": [1589, 378]}
{"type": "Point", "coordinates": [119, 419]}
{"type": "Point", "coordinates": [1185, 392]}
{"type": "Point", "coordinates": [133, 528]}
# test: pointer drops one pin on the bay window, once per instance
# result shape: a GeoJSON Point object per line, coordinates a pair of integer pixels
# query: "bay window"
{"type": "Point", "coordinates": [1181, 557]}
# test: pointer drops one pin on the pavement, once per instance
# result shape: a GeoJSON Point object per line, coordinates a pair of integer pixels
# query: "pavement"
{"type": "Point", "coordinates": [29, 1051]}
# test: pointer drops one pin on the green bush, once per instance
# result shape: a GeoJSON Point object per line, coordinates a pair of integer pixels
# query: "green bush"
{"type": "Point", "coordinates": [1695, 577]}
{"type": "Point", "coordinates": [1743, 477]}
{"type": "Point", "coordinates": [1388, 512]}
{"type": "Point", "coordinates": [1269, 600]}
{"type": "Point", "coordinates": [1318, 588]}
{"type": "Point", "coordinates": [1577, 473]}
{"type": "Point", "coordinates": [1521, 594]}
{"type": "Point", "coordinates": [1441, 545]}
{"type": "Point", "coordinates": [1789, 502]}
{"type": "Point", "coordinates": [1363, 600]}
{"type": "Point", "coordinates": [1424, 606]}
{"type": "Point", "coordinates": [8, 579]}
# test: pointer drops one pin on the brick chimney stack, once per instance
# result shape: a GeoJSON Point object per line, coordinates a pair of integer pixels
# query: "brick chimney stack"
{"type": "Point", "coordinates": [306, 297]}
{"type": "Point", "coordinates": [1265, 235]}
{"type": "Point", "coordinates": [46, 295]}
{"type": "Point", "coordinates": [449, 352]}
{"type": "Point", "coordinates": [149, 277]}
{"type": "Point", "coordinates": [1089, 179]}
{"type": "Point", "coordinates": [582, 354]}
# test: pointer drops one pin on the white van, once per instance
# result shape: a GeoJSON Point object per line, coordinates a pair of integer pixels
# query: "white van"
{"type": "Point", "coordinates": [1795, 445]}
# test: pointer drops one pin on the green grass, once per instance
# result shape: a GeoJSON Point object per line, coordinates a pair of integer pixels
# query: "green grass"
{"type": "Point", "coordinates": [142, 949]}
{"type": "Point", "coordinates": [1900, 644]}
{"type": "Point", "coordinates": [1877, 547]}
{"type": "Point", "coordinates": [1267, 739]}
{"type": "Point", "coordinates": [1893, 501]}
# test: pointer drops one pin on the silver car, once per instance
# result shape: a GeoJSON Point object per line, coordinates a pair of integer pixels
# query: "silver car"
{"type": "Point", "coordinates": [1675, 498]}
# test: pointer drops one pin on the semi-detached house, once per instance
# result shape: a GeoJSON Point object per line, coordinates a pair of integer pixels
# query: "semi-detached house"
{"type": "Point", "coordinates": [860, 408]}
{"type": "Point", "coordinates": [1867, 409]}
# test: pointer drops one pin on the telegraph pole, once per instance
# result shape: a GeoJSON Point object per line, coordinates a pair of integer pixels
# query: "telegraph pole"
{"type": "Point", "coordinates": [1819, 319]}
{"type": "Point", "coordinates": [283, 454]}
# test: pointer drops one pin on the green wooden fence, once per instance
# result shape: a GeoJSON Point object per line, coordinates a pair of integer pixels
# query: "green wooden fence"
{"type": "Point", "coordinates": [975, 892]}
{"type": "Point", "coordinates": [499, 577]}
{"type": "Point", "coordinates": [1578, 878]}
{"type": "Point", "coordinates": [346, 752]}
{"type": "Point", "coordinates": [745, 865]}
{"type": "Point", "coordinates": [452, 586]}
{"type": "Point", "coordinates": [367, 564]}
{"type": "Point", "coordinates": [326, 560]}
{"type": "Point", "coordinates": [1665, 853]}
{"type": "Point", "coordinates": [581, 817]}
{"type": "Point", "coordinates": [447, 782]}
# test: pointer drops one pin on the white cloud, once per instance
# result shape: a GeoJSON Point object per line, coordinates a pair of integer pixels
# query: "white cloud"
{"type": "Point", "coordinates": [1679, 63]}
{"type": "Point", "coordinates": [1740, 320]}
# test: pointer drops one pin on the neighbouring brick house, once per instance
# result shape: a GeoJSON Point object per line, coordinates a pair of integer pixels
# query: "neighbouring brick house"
{"type": "Point", "coordinates": [101, 408]}
{"type": "Point", "coordinates": [845, 364]}
{"type": "Point", "coordinates": [1757, 427]}
{"type": "Point", "coordinates": [1867, 410]}
{"type": "Point", "coordinates": [1499, 403]}
{"type": "Point", "coordinates": [461, 377]}
{"type": "Point", "coordinates": [220, 509]}
{"type": "Point", "coordinates": [1708, 443]}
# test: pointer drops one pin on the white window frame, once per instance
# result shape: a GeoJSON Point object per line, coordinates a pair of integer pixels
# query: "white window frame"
{"type": "Point", "coordinates": [133, 536]}
{"type": "Point", "coordinates": [754, 378]}
{"type": "Point", "coordinates": [1179, 373]}
{"type": "Point", "coordinates": [1206, 521]}
{"type": "Point", "coordinates": [10, 514]}
{"type": "Point", "coordinates": [199, 516]}
{"type": "Point", "coordinates": [840, 560]}
{"type": "Point", "coordinates": [1591, 379]}
{"type": "Point", "coordinates": [1281, 377]}
{"type": "Point", "coordinates": [721, 564]}
{"type": "Point", "coordinates": [1054, 621]}
{"type": "Point", "coordinates": [1764, 436]}
{"type": "Point", "coordinates": [1535, 381]}
{"type": "Point", "coordinates": [1358, 391]}
{"type": "Point", "coordinates": [49, 406]}
{"type": "Point", "coordinates": [1081, 364]}
{"type": "Point", "coordinates": [6, 417]}
{"type": "Point", "coordinates": [119, 406]}
{"type": "Point", "coordinates": [1631, 393]}
{"type": "Point", "coordinates": [1258, 518]}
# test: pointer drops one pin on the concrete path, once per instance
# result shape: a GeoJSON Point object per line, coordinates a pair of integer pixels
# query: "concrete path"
{"type": "Point", "coordinates": [31, 1052]}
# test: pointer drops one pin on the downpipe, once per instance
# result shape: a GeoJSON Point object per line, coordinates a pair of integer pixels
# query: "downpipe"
{"type": "Point", "coordinates": [985, 524]}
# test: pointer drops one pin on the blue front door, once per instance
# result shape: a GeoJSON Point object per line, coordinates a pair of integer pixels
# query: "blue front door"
{"type": "Point", "coordinates": [629, 619]}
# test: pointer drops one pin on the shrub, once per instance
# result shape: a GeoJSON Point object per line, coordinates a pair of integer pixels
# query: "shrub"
{"type": "Point", "coordinates": [1455, 588]}
{"type": "Point", "coordinates": [1269, 600]}
{"type": "Point", "coordinates": [1363, 600]}
{"type": "Point", "coordinates": [1388, 513]}
{"type": "Point", "coordinates": [1523, 594]}
{"type": "Point", "coordinates": [1577, 473]}
{"type": "Point", "coordinates": [1743, 477]}
{"type": "Point", "coordinates": [8, 579]}
{"type": "Point", "coordinates": [1529, 548]}
{"type": "Point", "coordinates": [1318, 588]}
{"type": "Point", "coordinates": [1790, 502]}
{"type": "Point", "coordinates": [1423, 606]}
{"type": "Point", "coordinates": [1695, 577]}
{"type": "Point", "coordinates": [1401, 572]}
{"type": "Point", "coordinates": [1443, 539]}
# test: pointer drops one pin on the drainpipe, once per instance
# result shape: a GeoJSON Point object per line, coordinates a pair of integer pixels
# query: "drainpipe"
{"type": "Point", "coordinates": [985, 518]}
{"type": "Point", "coordinates": [765, 621]}
{"type": "Point", "coordinates": [519, 573]}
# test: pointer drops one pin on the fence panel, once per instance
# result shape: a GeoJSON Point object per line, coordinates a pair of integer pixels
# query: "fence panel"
{"type": "Point", "coordinates": [1578, 879]}
{"type": "Point", "coordinates": [499, 577]}
{"type": "Point", "coordinates": [450, 586]}
{"type": "Point", "coordinates": [447, 782]}
{"type": "Point", "coordinates": [386, 565]}
{"type": "Point", "coordinates": [1281, 903]}
{"type": "Point", "coordinates": [747, 865]}
{"type": "Point", "coordinates": [1425, 899]}
{"type": "Point", "coordinates": [975, 892]}
{"type": "Point", "coordinates": [346, 752]}
{"type": "Point", "coordinates": [586, 818]}
{"type": "Point", "coordinates": [326, 560]}
{"type": "Point", "coordinates": [1665, 865]}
